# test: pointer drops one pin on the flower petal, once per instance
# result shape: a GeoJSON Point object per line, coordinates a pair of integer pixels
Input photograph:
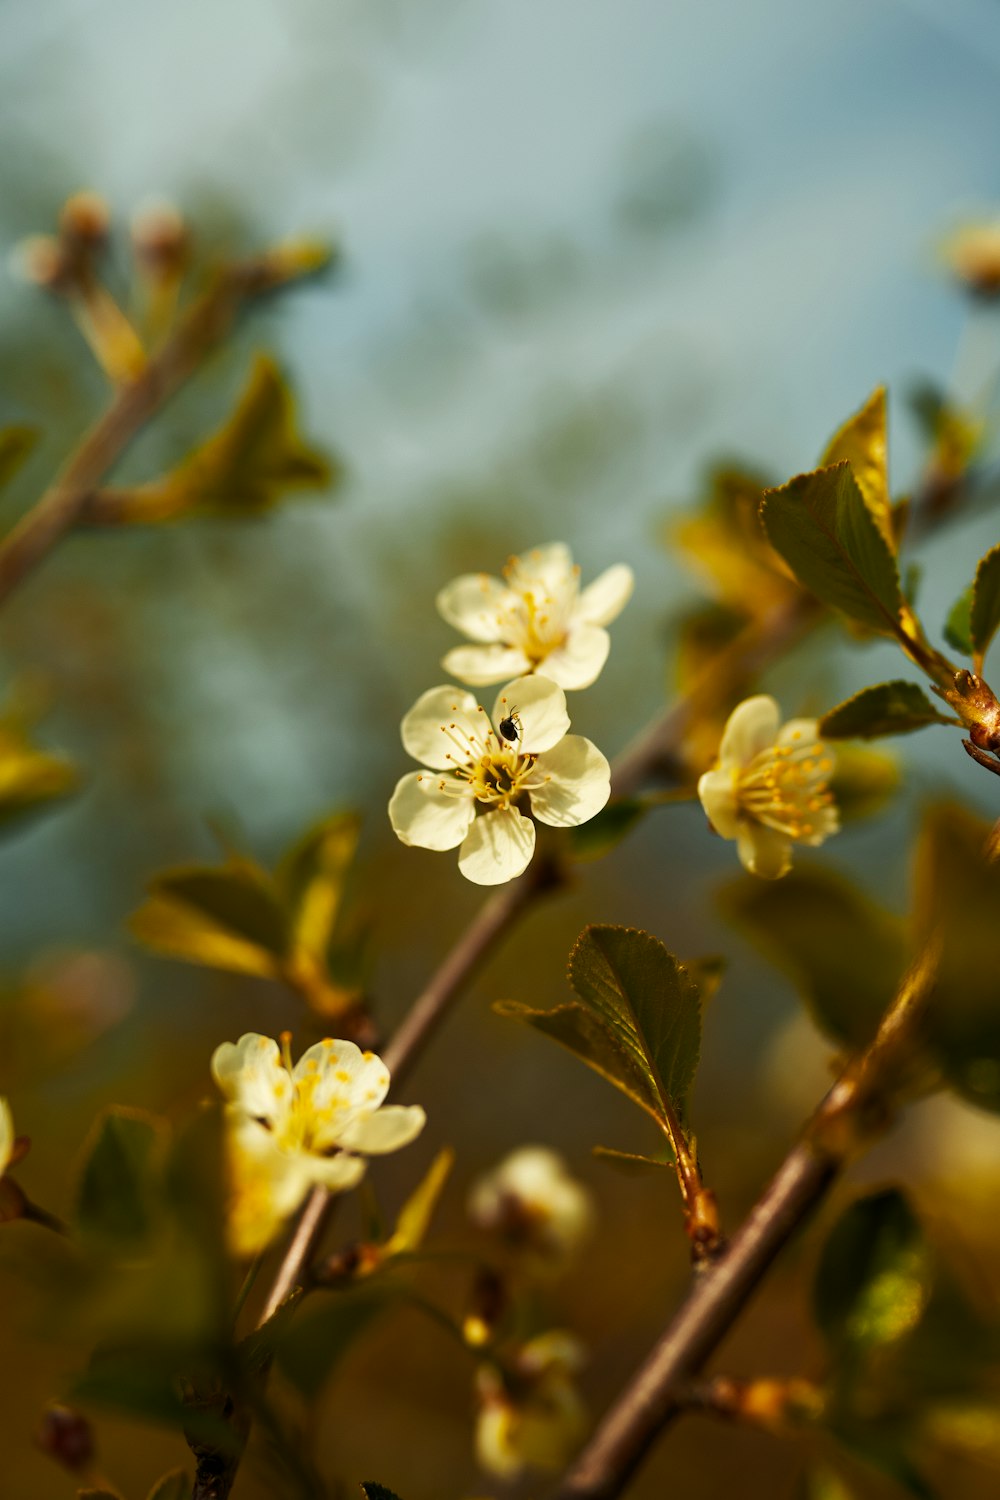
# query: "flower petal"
{"type": "Point", "coordinates": [549, 567]}
{"type": "Point", "coordinates": [541, 707]}
{"type": "Point", "coordinates": [251, 1075]}
{"type": "Point", "coordinates": [482, 664]}
{"type": "Point", "coordinates": [764, 851]}
{"type": "Point", "coordinates": [717, 791]}
{"type": "Point", "coordinates": [423, 815]}
{"type": "Point", "coordinates": [576, 785]}
{"type": "Point", "coordinates": [477, 605]}
{"type": "Point", "coordinates": [384, 1130]}
{"type": "Point", "coordinates": [798, 732]}
{"type": "Point", "coordinates": [337, 1173]}
{"type": "Point", "coordinates": [6, 1136]}
{"type": "Point", "coordinates": [578, 661]}
{"type": "Point", "coordinates": [604, 599]}
{"type": "Point", "coordinates": [266, 1186]}
{"type": "Point", "coordinates": [751, 728]}
{"type": "Point", "coordinates": [497, 848]}
{"type": "Point", "coordinates": [443, 727]}
{"type": "Point", "coordinates": [337, 1075]}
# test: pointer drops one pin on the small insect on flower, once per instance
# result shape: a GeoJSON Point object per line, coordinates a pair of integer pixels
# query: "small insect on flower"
{"type": "Point", "coordinates": [510, 727]}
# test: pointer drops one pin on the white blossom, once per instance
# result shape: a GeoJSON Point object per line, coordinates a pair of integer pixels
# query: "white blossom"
{"type": "Point", "coordinates": [537, 618]}
{"type": "Point", "coordinates": [531, 1201]}
{"type": "Point", "coordinates": [471, 767]}
{"type": "Point", "coordinates": [770, 787]}
{"type": "Point", "coordinates": [536, 1420]}
{"type": "Point", "coordinates": [291, 1128]}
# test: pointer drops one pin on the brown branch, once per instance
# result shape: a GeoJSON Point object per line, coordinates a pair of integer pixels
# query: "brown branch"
{"type": "Point", "coordinates": [65, 502]}
{"type": "Point", "coordinates": [654, 1396]}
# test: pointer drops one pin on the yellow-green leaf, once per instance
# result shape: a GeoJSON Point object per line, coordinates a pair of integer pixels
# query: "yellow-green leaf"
{"type": "Point", "coordinates": [114, 1195]}
{"type": "Point", "coordinates": [819, 523]}
{"type": "Point", "coordinates": [311, 877]}
{"type": "Point", "coordinates": [245, 468]}
{"type": "Point", "coordinates": [984, 613]}
{"type": "Point", "coordinates": [897, 707]}
{"type": "Point", "coordinates": [29, 776]}
{"type": "Point", "coordinates": [862, 781]}
{"type": "Point", "coordinates": [861, 442]}
{"type": "Point", "coordinates": [227, 918]}
{"type": "Point", "coordinates": [874, 1276]}
{"type": "Point", "coordinates": [416, 1214]}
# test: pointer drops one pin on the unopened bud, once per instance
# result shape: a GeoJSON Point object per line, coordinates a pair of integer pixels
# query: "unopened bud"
{"type": "Point", "coordinates": [66, 1436]}
{"type": "Point", "coordinates": [487, 1305]}
{"type": "Point", "coordinates": [85, 219]}
{"type": "Point", "coordinates": [159, 235]}
{"type": "Point", "coordinates": [973, 256]}
{"type": "Point", "coordinates": [41, 260]}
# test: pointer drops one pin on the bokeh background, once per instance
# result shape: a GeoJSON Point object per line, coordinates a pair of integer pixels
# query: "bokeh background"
{"type": "Point", "coordinates": [586, 246]}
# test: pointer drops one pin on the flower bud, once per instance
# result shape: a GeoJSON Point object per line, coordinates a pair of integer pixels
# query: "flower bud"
{"type": "Point", "coordinates": [66, 1436]}
{"type": "Point", "coordinates": [85, 220]}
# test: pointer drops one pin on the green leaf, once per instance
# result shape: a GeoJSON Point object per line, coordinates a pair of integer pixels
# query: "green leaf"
{"type": "Point", "coordinates": [896, 707]}
{"type": "Point", "coordinates": [228, 918]}
{"type": "Point", "coordinates": [638, 1022]}
{"type": "Point", "coordinates": [173, 1486]}
{"type": "Point", "coordinates": [140, 1385]}
{"type": "Point", "coordinates": [244, 469]}
{"type": "Point", "coordinates": [958, 626]}
{"type": "Point", "coordinates": [874, 1276]}
{"type": "Point", "coordinates": [373, 1491]}
{"type": "Point", "coordinates": [311, 877]}
{"type": "Point", "coordinates": [630, 1163]}
{"type": "Point", "coordinates": [602, 833]}
{"type": "Point", "coordinates": [958, 894]}
{"type": "Point", "coordinates": [861, 442]}
{"type": "Point", "coordinates": [15, 445]}
{"type": "Point", "coordinates": [113, 1199]}
{"type": "Point", "coordinates": [309, 1351]}
{"type": "Point", "coordinates": [418, 1210]}
{"type": "Point", "coordinates": [984, 616]}
{"type": "Point", "coordinates": [844, 954]}
{"type": "Point", "coordinates": [819, 523]}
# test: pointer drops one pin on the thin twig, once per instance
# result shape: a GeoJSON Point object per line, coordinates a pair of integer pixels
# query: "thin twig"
{"type": "Point", "coordinates": [65, 502]}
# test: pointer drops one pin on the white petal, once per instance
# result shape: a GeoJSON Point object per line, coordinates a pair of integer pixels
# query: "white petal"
{"type": "Point", "coordinates": [764, 851]}
{"type": "Point", "coordinates": [251, 1074]}
{"type": "Point", "coordinates": [604, 599]}
{"type": "Point", "coordinates": [337, 1173]}
{"type": "Point", "coordinates": [340, 1077]}
{"type": "Point", "coordinates": [267, 1186]}
{"type": "Point", "coordinates": [718, 797]}
{"type": "Point", "coordinates": [577, 783]}
{"type": "Point", "coordinates": [6, 1136]}
{"type": "Point", "coordinates": [541, 707]}
{"type": "Point", "coordinates": [798, 732]}
{"type": "Point", "coordinates": [385, 1130]}
{"type": "Point", "coordinates": [477, 605]}
{"type": "Point", "coordinates": [482, 664]}
{"type": "Point", "coordinates": [578, 661]}
{"type": "Point", "coordinates": [751, 728]}
{"type": "Point", "coordinates": [550, 566]}
{"type": "Point", "coordinates": [443, 727]}
{"type": "Point", "coordinates": [420, 814]}
{"type": "Point", "coordinates": [497, 848]}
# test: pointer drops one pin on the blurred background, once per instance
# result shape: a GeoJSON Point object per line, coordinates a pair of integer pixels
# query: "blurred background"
{"type": "Point", "coordinates": [585, 248]}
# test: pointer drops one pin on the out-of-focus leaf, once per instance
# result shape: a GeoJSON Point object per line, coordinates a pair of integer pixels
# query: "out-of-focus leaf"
{"type": "Point", "coordinates": [958, 893]}
{"type": "Point", "coordinates": [874, 1276]}
{"type": "Point", "coordinates": [861, 442]}
{"type": "Point", "coordinates": [137, 1383]}
{"type": "Point", "coordinates": [952, 434]}
{"type": "Point", "coordinates": [631, 1163]}
{"type": "Point", "coordinates": [958, 626]}
{"type": "Point", "coordinates": [29, 777]}
{"type": "Point", "coordinates": [173, 1486]}
{"type": "Point", "coordinates": [984, 615]}
{"type": "Point", "coordinates": [844, 954]}
{"type": "Point", "coordinates": [15, 445]}
{"type": "Point", "coordinates": [372, 1491]}
{"type": "Point", "coordinates": [228, 918]}
{"type": "Point", "coordinates": [309, 1350]}
{"type": "Point", "coordinates": [885, 1448]}
{"type": "Point", "coordinates": [723, 544]}
{"type": "Point", "coordinates": [638, 1020]}
{"type": "Point", "coordinates": [862, 781]}
{"type": "Point", "coordinates": [604, 832]}
{"type": "Point", "coordinates": [897, 707]}
{"type": "Point", "coordinates": [114, 1196]}
{"type": "Point", "coordinates": [416, 1214]}
{"type": "Point", "coordinates": [244, 469]}
{"type": "Point", "coordinates": [913, 577]}
{"type": "Point", "coordinates": [98, 1495]}
{"type": "Point", "coordinates": [819, 523]}
{"type": "Point", "coordinates": [311, 877]}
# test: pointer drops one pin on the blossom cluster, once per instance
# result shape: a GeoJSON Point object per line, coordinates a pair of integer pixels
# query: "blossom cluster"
{"type": "Point", "coordinates": [482, 774]}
